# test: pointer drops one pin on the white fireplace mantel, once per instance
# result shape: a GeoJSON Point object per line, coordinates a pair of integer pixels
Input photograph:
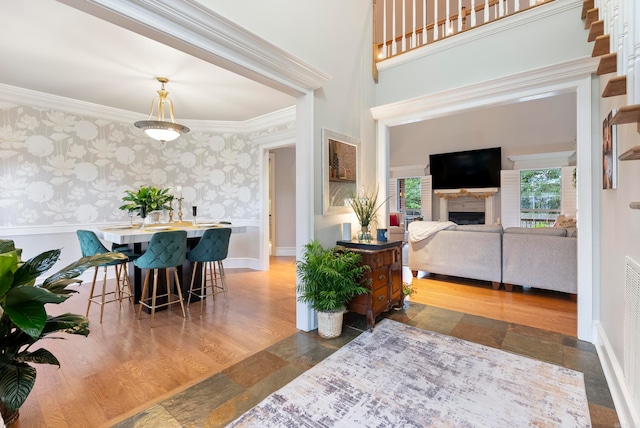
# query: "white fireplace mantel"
{"type": "Point", "coordinates": [488, 193]}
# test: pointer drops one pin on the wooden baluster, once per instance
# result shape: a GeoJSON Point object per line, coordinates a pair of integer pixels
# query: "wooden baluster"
{"type": "Point", "coordinates": [460, 16]}
{"type": "Point", "coordinates": [447, 22]}
{"type": "Point", "coordinates": [403, 45]}
{"type": "Point", "coordinates": [473, 13]}
{"type": "Point", "coordinates": [424, 22]}
{"type": "Point", "coordinates": [394, 48]}
{"type": "Point", "coordinates": [501, 8]}
{"type": "Point", "coordinates": [435, 20]}
{"type": "Point", "coordinates": [516, 5]}
{"type": "Point", "coordinates": [385, 47]}
{"type": "Point", "coordinates": [486, 11]}
{"type": "Point", "coordinates": [414, 36]}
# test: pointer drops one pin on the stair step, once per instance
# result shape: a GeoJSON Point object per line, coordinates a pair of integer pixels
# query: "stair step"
{"type": "Point", "coordinates": [601, 45]}
{"type": "Point", "coordinates": [626, 114]}
{"type": "Point", "coordinates": [592, 16]}
{"type": "Point", "coordinates": [597, 29]}
{"type": "Point", "coordinates": [588, 4]}
{"type": "Point", "coordinates": [615, 86]}
{"type": "Point", "coordinates": [632, 154]}
{"type": "Point", "coordinates": [608, 64]}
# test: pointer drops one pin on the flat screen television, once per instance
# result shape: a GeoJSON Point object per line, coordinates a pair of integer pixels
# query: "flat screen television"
{"type": "Point", "coordinates": [470, 169]}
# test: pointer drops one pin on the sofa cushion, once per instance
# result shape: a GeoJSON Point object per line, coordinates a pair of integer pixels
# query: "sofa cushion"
{"type": "Point", "coordinates": [394, 219]}
{"type": "Point", "coordinates": [549, 231]}
{"type": "Point", "coordinates": [489, 228]}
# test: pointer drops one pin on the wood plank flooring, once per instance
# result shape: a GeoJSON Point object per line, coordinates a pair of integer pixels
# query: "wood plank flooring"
{"type": "Point", "coordinates": [124, 366]}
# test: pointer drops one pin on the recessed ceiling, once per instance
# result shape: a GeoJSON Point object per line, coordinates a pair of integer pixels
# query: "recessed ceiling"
{"type": "Point", "coordinates": [53, 48]}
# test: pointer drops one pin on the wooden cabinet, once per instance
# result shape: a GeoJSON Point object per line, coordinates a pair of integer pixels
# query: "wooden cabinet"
{"type": "Point", "coordinates": [384, 279]}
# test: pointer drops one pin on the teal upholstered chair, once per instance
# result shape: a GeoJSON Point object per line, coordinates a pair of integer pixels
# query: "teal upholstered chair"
{"type": "Point", "coordinates": [210, 251]}
{"type": "Point", "coordinates": [90, 245]}
{"type": "Point", "coordinates": [166, 250]}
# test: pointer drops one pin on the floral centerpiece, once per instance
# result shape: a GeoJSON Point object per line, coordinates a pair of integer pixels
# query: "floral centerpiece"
{"type": "Point", "coordinates": [365, 206]}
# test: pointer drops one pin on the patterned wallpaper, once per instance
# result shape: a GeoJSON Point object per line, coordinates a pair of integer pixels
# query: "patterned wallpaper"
{"type": "Point", "coordinates": [61, 168]}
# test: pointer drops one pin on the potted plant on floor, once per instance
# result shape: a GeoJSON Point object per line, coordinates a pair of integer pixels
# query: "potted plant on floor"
{"type": "Point", "coordinates": [24, 320]}
{"type": "Point", "coordinates": [330, 278]}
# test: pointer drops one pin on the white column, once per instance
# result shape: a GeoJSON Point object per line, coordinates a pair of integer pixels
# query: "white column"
{"type": "Point", "coordinates": [444, 210]}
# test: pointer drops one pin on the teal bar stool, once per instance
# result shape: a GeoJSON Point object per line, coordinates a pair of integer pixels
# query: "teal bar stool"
{"type": "Point", "coordinates": [210, 251]}
{"type": "Point", "coordinates": [166, 250]}
{"type": "Point", "coordinates": [90, 245]}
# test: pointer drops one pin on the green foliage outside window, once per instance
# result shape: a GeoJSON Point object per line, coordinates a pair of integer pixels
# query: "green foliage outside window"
{"type": "Point", "coordinates": [413, 195]}
{"type": "Point", "coordinates": [540, 196]}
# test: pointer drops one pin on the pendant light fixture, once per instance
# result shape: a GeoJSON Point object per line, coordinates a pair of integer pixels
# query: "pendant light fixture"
{"type": "Point", "coordinates": [161, 129]}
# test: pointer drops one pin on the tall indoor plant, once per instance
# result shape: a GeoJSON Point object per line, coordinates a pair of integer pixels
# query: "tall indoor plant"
{"type": "Point", "coordinates": [24, 320]}
{"type": "Point", "coordinates": [329, 279]}
{"type": "Point", "coordinates": [365, 206]}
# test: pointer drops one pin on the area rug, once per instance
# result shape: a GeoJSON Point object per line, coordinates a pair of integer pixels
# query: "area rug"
{"type": "Point", "coordinates": [402, 376]}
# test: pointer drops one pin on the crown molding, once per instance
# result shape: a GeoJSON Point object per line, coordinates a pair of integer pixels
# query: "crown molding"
{"type": "Point", "coordinates": [474, 34]}
{"type": "Point", "coordinates": [54, 102]}
{"type": "Point", "coordinates": [553, 79]}
{"type": "Point", "coordinates": [195, 29]}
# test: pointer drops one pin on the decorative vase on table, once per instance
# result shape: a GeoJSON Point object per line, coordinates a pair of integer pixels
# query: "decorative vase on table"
{"type": "Point", "coordinates": [365, 234]}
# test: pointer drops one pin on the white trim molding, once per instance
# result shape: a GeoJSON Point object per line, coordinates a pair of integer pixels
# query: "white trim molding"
{"type": "Point", "coordinates": [568, 77]}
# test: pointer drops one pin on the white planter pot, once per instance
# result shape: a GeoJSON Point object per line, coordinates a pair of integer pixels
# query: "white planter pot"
{"type": "Point", "coordinates": [330, 324]}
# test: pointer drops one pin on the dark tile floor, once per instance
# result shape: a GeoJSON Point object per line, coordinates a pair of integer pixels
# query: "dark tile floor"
{"type": "Point", "coordinates": [226, 395]}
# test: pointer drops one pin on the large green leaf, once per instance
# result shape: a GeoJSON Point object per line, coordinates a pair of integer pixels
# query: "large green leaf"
{"type": "Point", "coordinates": [67, 323]}
{"type": "Point", "coordinates": [39, 356]}
{"type": "Point", "coordinates": [32, 268]}
{"type": "Point", "coordinates": [6, 246]}
{"type": "Point", "coordinates": [29, 316]}
{"type": "Point", "coordinates": [75, 269]}
{"type": "Point", "coordinates": [16, 382]}
{"type": "Point", "coordinates": [8, 265]}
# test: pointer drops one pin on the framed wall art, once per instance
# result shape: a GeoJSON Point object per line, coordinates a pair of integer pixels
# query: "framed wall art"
{"type": "Point", "coordinates": [609, 153]}
{"type": "Point", "coordinates": [340, 168]}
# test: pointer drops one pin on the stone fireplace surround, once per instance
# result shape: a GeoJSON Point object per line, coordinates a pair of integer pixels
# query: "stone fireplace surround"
{"type": "Point", "coordinates": [468, 201]}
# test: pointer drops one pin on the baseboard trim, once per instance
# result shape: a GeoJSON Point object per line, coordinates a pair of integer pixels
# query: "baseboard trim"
{"type": "Point", "coordinates": [285, 251]}
{"type": "Point", "coordinates": [625, 407]}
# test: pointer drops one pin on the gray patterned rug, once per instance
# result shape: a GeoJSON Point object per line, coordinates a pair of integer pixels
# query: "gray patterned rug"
{"type": "Point", "coordinates": [402, 376]}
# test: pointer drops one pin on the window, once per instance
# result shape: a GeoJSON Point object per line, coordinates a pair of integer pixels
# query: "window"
{"type": "Point", "coordinates": [409, 198]}
{"type": "Point", "coordinates": [540, 196]}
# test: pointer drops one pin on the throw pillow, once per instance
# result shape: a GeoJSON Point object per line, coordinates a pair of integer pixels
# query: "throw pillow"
{"type": "Point", "coordinates": [394, 220]}
{"type": "Point", "coordinates": [564, 221]}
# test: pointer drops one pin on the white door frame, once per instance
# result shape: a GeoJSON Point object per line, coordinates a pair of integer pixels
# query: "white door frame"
{"type": "Point", "coordinates": [569, 77]}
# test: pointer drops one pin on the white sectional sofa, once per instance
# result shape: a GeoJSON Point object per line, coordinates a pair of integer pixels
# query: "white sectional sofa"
{"type": "Point", "coordinates": [543, 258]}
{"type": "Point", "coordinates": [468, 251]}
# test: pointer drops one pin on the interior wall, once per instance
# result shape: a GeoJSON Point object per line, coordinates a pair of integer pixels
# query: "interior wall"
{"type": "Point", "coordinates": [285, 201]}
{"type": "Point", "coordinates": [335, 36]}
{"type": "Point", "coordinates": [557, 36]}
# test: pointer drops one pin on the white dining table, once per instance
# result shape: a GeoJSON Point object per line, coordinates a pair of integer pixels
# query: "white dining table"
{"type": "Point", "coordinates": [127, 234]}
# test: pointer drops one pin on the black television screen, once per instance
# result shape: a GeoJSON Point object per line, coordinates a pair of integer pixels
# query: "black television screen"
{"type": "Point", "coordinates": [470, 169]}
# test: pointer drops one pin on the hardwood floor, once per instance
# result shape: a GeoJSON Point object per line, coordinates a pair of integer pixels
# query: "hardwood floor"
{"type": "Point", "coordinates": [124, 366]}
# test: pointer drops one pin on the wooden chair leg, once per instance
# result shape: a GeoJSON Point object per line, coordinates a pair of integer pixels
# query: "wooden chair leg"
{"type": "Point", "coordinates": [193, 279]}
{"type": "Point", "coordinates": [104, 292]}
{"type": "Point", "coordinates": [93, 286]}
{"type": "Point", "coordinates": [179, 291]}
{"type": "Point", "coordinates": [144, 291]}
{"type": "Point", "coordinates": [153, 296]}
{"type": "Point", "coordinates": [223, 280]}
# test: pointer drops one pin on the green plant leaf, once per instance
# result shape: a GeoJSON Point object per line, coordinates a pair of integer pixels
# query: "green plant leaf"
{"type": "Point", "coordinates": [32, 268]}
{"type": "Point", "coordinates": [8, 265]}
{"type": "Point", "coordinates": [67, 323]}
{"type": "Point", "coordinates": [6, 246]}
{"type": "Point", "coordinates": [16, 382]}
{"type": "Point", "coordinates": [39, 356]}
{"type": "Point", "coordinates": [75, 269]}
{"type": "Point", "coordinates": [28, 316]}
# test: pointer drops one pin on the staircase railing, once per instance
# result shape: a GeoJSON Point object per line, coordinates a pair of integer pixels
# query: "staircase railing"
{"type": "Point", "coordinates": [403, 25]}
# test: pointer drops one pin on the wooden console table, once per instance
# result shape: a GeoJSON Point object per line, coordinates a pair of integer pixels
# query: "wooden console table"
{"type": "Point", "coordinates": [384, 278]}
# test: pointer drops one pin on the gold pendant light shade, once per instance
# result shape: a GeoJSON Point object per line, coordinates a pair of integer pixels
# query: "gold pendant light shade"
{"type": "Point", "coordinates": [161, 129]}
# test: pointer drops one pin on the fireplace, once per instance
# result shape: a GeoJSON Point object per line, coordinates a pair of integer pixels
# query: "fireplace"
{"type": "Point", "coordinates": [468, 206]}
{"type": "Point", "coordinates": [460, 217]}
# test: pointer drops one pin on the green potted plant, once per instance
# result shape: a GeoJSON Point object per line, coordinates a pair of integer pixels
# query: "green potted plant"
{"type": "Point", "coordinates": [146, 200]}
{"type": "Point", "coordinates": [365, 206]}
{"type": "Point", "coordinates": [24, 320]}
{"type": "Point", "coordinates": [330, 278]}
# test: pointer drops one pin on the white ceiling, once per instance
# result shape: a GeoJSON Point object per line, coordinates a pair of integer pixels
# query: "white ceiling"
{"type": "Point", "coordinates": [50, 47]}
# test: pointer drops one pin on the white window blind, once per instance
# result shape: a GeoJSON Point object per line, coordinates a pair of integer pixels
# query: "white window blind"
{"type": "Point", "coordinates": [510, 197]}
{"type": "Point", "coordinates": [426, 198]}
